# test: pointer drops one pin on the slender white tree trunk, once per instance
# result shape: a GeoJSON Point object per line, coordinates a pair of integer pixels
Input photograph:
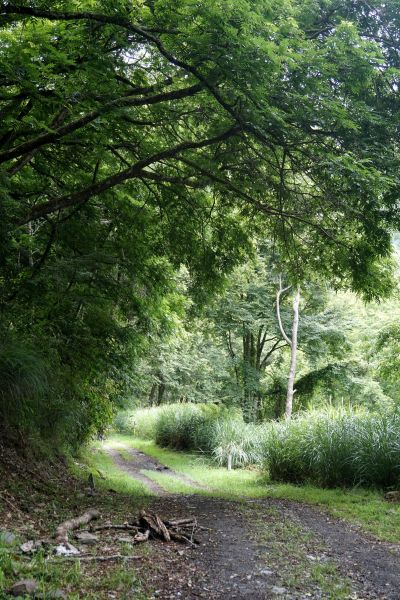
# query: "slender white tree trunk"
{"type": "Point", "coordinates": [292, 342]}
{"type": "Point", "coordinates": [293, 357]}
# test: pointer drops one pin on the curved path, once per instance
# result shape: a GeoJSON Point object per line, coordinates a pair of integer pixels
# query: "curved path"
{"type": "Point", "coordinates": [139, 462]}
{"type": "Point", "coordinates": [134, 469]}
{"type": "Point", "coordinates": [261, 549]}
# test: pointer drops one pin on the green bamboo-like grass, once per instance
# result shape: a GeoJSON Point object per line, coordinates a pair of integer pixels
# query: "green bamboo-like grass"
{"type": "Point", "coordinates": [210, 430]}
{"type": "Point", "coordinates": [336, 448]}
{"type": "Point", "coordinates": [328, 447]}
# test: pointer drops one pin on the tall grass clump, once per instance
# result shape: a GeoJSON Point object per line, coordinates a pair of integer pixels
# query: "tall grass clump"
{"type": "Point", "coordinates": [212, 430]}
{"type": "Point", "coordinates": [282, 452]}
{"type": "Point", "coordinates": [24, 381]}
{"type": "Point", "coordinates": [187, 427]}
{"type": "Point", "coordinates": [334, 448]}
{"type": "Point", "coordinates": [236, 443]}
{"type": "Point", "coordinates": [378, 453]}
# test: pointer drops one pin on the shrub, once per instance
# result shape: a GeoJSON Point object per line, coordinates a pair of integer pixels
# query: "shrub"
{"type": "Point", "coordinates": [378, 452]}
{"type": "Point", "coordinates": [46, 400]}
{"type": "Point", "coordinates": [187, 427]}
{"type": "Point", "coordinates": [281, 452]}
{"type": "Point", "coordinates": [236, 443]}
{"type": "Point", "coordinates": [328, 447]}
{"type": "Point", "coordinates": [122, 422]}
{"type": "Point", "coordinates": [213, 430]}
{"type": "Point", "coordinates": [140, 423]}
{"type": "Point", "coordinates": [24, 381]}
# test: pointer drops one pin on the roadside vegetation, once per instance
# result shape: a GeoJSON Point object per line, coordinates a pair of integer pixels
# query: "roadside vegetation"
{"type": "Point", "coordinates": [365, 507]}
{"type": "Point", "coordinates": [340, 438]}
{"type": "Point", "coordinates": [325, 447]}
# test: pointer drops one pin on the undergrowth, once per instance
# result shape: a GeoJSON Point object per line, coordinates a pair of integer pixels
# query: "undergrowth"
{"type": "Point", "coordinates": [336, 448]}
{"type": "Point", "coordinates": [208, 429]}
{"type": "Point", "coordinates": [328, 448]}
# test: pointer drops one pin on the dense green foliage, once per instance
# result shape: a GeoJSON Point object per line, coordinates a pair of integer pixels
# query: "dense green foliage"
{"type": "Point", "coordinates": [336, 449]}
{"type": "Point", "coordinates": [244, 321]}
{"type": "Point", "coordinates": [235, 354]}
{"type": "Point", "coordinates": [299, 101]}
{"type": "Point", "coordinates": [186, 427]}
{"type": "Point", "coordinates": [144, 146]}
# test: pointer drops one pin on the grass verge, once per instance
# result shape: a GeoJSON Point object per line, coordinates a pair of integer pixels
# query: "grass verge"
{"type": "Point", "coordinates": [95, 460]}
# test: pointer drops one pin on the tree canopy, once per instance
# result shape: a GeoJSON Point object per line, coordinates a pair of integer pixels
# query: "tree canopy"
{"type": "Point", "coordinates": [137, 137]}
{"type": "Point", "coordinates": [275, 108]}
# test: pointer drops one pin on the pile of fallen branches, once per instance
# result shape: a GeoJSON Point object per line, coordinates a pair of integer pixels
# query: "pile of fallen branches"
{"type": "Point", "coordinates": [151, 526]}
{"type": "Point", "coordinates": [179, 530]}
{"type": "Point", "coordinates": [147, 526]}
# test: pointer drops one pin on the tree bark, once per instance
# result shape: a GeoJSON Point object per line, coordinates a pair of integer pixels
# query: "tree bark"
{"type": "Point", "coordinates": [278, 310]}
{"type": "Point", "coordinates": [161, 389]}
{"type": "Point", "coordinates": [293, 357]}
{"type": "Point", "coordinates": [153, 394]}
{"type": "Point", "coordinates": [292, 342]}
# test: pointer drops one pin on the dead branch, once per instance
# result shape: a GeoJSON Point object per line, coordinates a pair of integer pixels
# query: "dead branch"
{"type": "Point", "coordinates": [155, 524]}
{"type": "Point", "coordinates": [124, 527]}
{"type": "Point", "coordinates": [179, 522]}
{"type": "Point", "coordinates": [64, 528]}
{"type": "Point", "coordinates": [142, 537]}
{"type": "Point", "coordinates": [180, 537]}
{"type": "Point", "coordinates": [102, 558]}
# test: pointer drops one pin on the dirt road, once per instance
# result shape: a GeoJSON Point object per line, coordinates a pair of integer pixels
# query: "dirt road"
{"type": "Point", "coordinates": [262, 549]}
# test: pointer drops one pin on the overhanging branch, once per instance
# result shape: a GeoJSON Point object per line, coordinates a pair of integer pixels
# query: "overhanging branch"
{"type": "Point", "coordinates": [53, 136]}
{"type": "Point", "coordinates": [136, 170]}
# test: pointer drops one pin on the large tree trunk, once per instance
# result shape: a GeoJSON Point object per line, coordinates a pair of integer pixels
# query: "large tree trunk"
{"type": "Point", "coordinates": [293, 357]}
{"type": "Point", "coordinates": [153, 394]}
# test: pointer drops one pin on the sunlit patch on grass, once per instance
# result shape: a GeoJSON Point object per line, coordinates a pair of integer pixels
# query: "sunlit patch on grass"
{"type": "Point", "coordinates": [109, 476]}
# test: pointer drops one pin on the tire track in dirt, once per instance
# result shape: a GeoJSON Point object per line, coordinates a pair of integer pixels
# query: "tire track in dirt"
{"type": "Point", "coordinates": [375, 564]}
{"type": "Point", "coordinates": [132, 470]}
{"type": "Point", "coordinates": [142, 462]}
